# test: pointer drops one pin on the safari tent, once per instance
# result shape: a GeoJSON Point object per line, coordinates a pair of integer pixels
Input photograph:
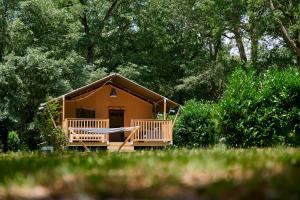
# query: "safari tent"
{"type": "Point", "coordinates": [116, 112]}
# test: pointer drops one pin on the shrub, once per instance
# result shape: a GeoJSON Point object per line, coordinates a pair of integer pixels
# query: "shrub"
{"type": "Point", "coordinates": [13, 141]}
{"type": "Point", "coordinates": [49, 134]}
{"type": "Point", "coordinates": [262, 110]}
{"type": "Point", "coordinates": [196, 125]}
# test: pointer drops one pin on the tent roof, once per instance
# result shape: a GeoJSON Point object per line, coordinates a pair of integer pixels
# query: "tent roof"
{"type": "Point", "coordinates": [125, 84]}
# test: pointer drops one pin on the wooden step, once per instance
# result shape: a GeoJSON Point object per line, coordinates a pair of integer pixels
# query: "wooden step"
{"type": "Point", "coordinates": [114, 146]}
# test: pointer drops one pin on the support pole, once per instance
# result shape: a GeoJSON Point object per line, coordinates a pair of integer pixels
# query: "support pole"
{"type": "Point", "coordinates": [165, 118]}
{"type": "Point", "coordinates": [63, 108]}
{"type": "Point", "coordinates": [64, 122]}
{"type": "Point", "coordinates": [128, 138]}
{"type": "Point", "coordinates": [165, 108]}
{"type": "Point", "coordinates": [176, 116]}
{"type": "Point", "coordinates": [84, 146]}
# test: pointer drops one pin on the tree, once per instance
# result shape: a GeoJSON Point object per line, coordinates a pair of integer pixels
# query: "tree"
{"type": "Point", "coordinates": [286, 14]}
{"type": "Point", "coordinates": [183, 49]}
{"type": "Point", "coordinates": [3, 27]}
{"type": "Point", "coordinates": [12, 97]}
{"type": "Point", "coordinates": [94, 25]}
{"type": "Point", "coordinates": [26, 81]}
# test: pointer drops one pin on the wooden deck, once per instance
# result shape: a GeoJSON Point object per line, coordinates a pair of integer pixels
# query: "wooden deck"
{"type": "Point", "coordinates": [150, 133]}
{"type": "Point", "coordinates": [152, 130]}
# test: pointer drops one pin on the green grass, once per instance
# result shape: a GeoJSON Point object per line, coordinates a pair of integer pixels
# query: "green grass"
{"type": "Point", "coordinates": [179, 174]}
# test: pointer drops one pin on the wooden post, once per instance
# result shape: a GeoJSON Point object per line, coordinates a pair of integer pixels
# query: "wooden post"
{"type": "Point", "coordinates": [64, 122]}
{"type": "Point", "coordinates": [71, 135]}
{"type": "Point", "coordinates": [165, 108]}
{"type": "Point", "coordinates": [128, 138]}
{"type": "Point", "coordinates": [63, 108]}
{"type": "Point", "coordinates": [65, 127]}
{"type": "Point", "coordinates": [165, 118]}
{"type": "Point", "coordinates": [176, 116]}
{"type": "Point", "coordinates": [84, 146]}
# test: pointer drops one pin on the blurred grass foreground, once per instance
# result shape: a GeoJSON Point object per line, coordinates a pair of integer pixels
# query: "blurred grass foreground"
{"type": "Point", "coordinates": [171, 174]}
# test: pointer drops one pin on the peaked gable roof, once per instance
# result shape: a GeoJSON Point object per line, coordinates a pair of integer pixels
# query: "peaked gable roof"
{"type": "Point", "coordinates": [125, 84]}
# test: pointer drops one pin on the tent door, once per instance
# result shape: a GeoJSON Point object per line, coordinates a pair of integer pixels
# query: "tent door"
{"type": "Point", "coordinates": [116, 120]}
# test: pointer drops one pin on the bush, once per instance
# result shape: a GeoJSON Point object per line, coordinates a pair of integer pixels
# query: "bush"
{"type": "Point", "coordinates": [196, 125]}
{"type": "Point", "coordinates": [50, 135]}
{"type": "Point", "coordinates": [262, 110]}
{"type": "Point", "coordinates": [13, 141]}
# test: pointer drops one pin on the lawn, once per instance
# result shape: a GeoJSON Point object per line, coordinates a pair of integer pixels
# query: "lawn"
{"type": "Point", "coordinates": [174, 174]}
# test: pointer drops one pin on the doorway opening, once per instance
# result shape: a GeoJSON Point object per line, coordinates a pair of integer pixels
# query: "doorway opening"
{"type": "Point", "coordinates": [116, 120]}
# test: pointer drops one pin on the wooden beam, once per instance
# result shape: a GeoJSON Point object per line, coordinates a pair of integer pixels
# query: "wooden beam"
{"type": "Point", "coordinates": [151, 143]}
{"type": "Point", "coordinates": [63, 109]}
{"type": "Point", "coordinates": [165, 108]}
{"type": "Point", "coordinates": [176, 116]}
{"type": "Point", "coordinates": [94, 144]}
{"type": "Point", "coordinates": [84, 146]}
{"type": "Point", "coordinates": [127, 139]}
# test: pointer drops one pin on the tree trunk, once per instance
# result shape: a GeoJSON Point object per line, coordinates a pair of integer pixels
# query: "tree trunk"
{"type": "Point", "coordinates": [90, 53]}
{"type": "Point", "coordinates": [4, 136]}
{"type": "Point", "coordinates": [217, 47]}
{"type": "Point", "coordinates": [254, 41]}
{"type": "Point", "coordinates": [4, 141]}
{"type": "Point", "coordinates": [240, 44]}
{"type": "Point", "coordinates": [298, 52]}
{"type": "Point", "coordinates": [3, 29]}
{"type": "Point", "coordinates": [298, 55]}
{"type": "Point", "coordinates": [89, 44]}
{"type": "Point", "coordinates": [254, 48]}
{"type": "Point", "coordinates": [298, 62]}
{"type": "Point", "coordinates": [289, 40]}
{"type": "Point", "coordinates": [210, 45]}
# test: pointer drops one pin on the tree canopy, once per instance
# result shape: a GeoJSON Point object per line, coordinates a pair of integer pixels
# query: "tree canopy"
{"type": "Point", "coordinates": [183, 49]}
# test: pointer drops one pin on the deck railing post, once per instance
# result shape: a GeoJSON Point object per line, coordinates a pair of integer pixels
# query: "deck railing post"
{"type": "Point", "coordinates": [165, 108]}
{"type": "Point", "coordinates": [65, 127]}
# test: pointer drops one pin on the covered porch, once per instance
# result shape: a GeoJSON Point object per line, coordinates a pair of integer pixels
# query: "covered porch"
{"type": "Point", "coordinates": [139, 115]}
{"type": "Point", "coordinates": [150, 132]}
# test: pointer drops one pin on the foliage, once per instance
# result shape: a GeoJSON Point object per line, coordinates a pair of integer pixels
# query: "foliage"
{"type": "Point", "coordinates": [96, 73]}
{"type": "Point", "coordinates": [262, 110]}
{"type": "Point", "coordinates": [50, 133]}
{"type": "Point", "coordinates": [180, 49]}
{"type": "Point", "coordinates": [27, 80]}
{"type": "Point", "coordinates": [208, 82]}
{"type": "Point", "coordinates": [43, 23]}
{"type": "Point", "coordinates": [197, 125]}
{"type": "Point", "coordinates": [14, 141]}
{"type": "Point", "coordinates": [12, 97]}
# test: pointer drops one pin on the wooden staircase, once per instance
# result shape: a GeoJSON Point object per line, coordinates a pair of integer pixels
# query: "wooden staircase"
{"type": "Point", "coordinates": [114, 147]}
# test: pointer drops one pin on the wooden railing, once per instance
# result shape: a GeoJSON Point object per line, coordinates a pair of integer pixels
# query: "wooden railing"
{"type": "Point", "coordinates": [78, 135]}
{"type": "Point", "coordinates": [149, 130]}
{"type": "Point", "coordinates": [152, 130]}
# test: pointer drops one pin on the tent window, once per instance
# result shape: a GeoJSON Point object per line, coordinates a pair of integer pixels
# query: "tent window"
{"type": "Point", "coordinates": [85, 113]}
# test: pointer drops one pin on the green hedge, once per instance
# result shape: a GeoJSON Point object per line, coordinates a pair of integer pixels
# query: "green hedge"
{"type": "Point", "coordinates": [196, 126]}
{"type": "Point", "coordinates": [13, 141]}
{"type": "Point", "coordinates": [262, 110]}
